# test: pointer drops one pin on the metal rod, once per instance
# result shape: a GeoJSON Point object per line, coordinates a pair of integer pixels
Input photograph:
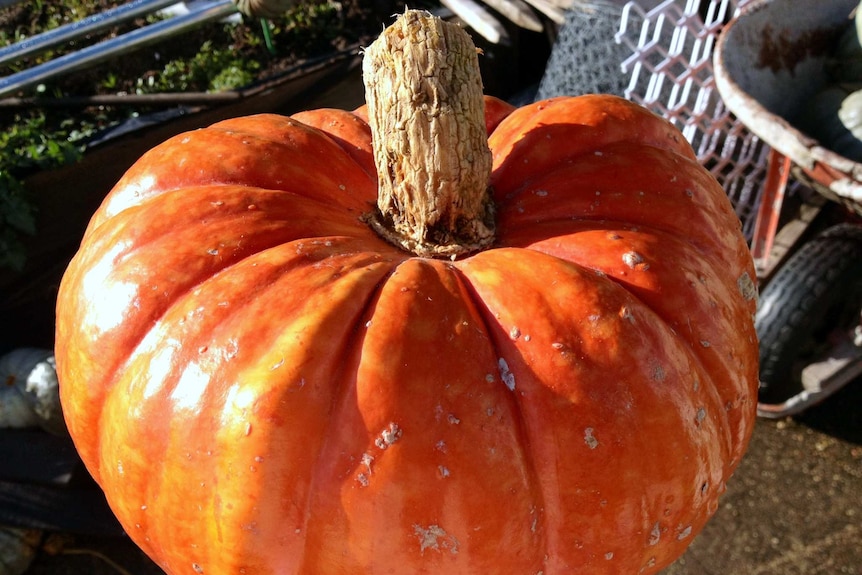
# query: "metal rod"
{"type": "Point", "coordinates": [766, 224]}
{"type": "Point", "coordinates": [89, 25]}
{"type": "Point", "coordinates": [162, 99]}
{"type": "Point", "coordinates": [108, 49]}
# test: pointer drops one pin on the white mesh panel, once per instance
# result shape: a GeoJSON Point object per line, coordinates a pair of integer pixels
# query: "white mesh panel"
{"type": "Point", "coordinates": [669, 71]}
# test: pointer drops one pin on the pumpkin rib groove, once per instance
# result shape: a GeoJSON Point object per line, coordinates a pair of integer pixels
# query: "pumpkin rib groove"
{"type": "Point", "coordinates": [495, 339]}
{"type": "Point", "coordinates": [500, 340]}
{"type": "Point", "coordinates": [707, 247]}
{"type": "Point", "coordinates": [325, 120]}
{"type": "Point", "coordinates": [168, 167]}
{"type": "Point", "coordinates": [348, 341]}
{"type": "Point", "coordinates": [255, 194]}
{"type": "Point", "coordinates": [697, 355]}
{"type": "Point", "coordinates": [512, 240]}
{"type": "Point", "coordinates": [717, 425]}
{"type": "Point", "coordinates": [354, 336]}
{"type": "Point", "coordinates": [237, 305]}
{"type": "Point", "coordinates": [525, 141]}
{"type": "Point", "coordinates": [690, 204]}
{"type": "Point", "coordinates": [202, 335]}
{"type": "Point", "coordinates": [128, 218]}
{"type": "Point", "coordinates": [337, 142]}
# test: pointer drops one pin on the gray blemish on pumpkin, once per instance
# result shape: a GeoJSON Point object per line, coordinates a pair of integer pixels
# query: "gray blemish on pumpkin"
{"type": "Point", "coordinates": [747, 287]}
{"type": "Point", "coordinates": [389, 436]}
{"type": "Point", "coordinates": [609, 555]}
{"type": "Point", "coordinates": [684, 532]}
{"type": "Point", "coordinates": [655, 534]}
{"type": "Point", "coordinates": [700, 416]}
{"type": "Point", "coordinates": [438, 412]}
{"type": "Point", "coordinates": [514, 333]}
{"type": "Point", "coordinates": [635, 261]}
{"type": "Point", "coordinates": [364, 477]}
{"type": "Point", "coordinates": [507, 376]}
{"type": "Point", "coordinates": [435, 537]}
{"type": "Point", "coordinates": [590, 439]}
{"type": "Point", "coordinates": [626, 314]}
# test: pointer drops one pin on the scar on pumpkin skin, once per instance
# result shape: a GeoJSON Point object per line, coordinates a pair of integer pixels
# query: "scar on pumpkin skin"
{"type": "Point", "coordinates": [389, 436]}
{"type": "Point", "coordinates": [363, 477]}
{"type": "Point", "coordinates": [590, 439]}
{"type": "Point", "coordinates": [635, 260]}
{"type": "Point", "coordinates": [747, 287]}
{"type": "Point", "coordinates": [507, 376]}
{"type": "Point", "coordinates": [435, 537]}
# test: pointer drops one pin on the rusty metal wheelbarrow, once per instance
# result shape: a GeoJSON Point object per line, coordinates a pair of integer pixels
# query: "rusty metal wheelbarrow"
{"type": "Point", "coordinates": [768, 63]}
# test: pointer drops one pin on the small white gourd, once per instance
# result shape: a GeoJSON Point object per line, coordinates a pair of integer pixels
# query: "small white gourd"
{"type": "Point", "coordinates": [29, 391]}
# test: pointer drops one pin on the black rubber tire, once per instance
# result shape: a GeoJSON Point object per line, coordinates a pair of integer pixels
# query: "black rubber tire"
{"type": "Point", "coordinates": [815, 293]}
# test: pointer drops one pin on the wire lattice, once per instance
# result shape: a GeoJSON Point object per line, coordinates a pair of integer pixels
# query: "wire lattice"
{"type": "Point", "coordinates": [669, 71]}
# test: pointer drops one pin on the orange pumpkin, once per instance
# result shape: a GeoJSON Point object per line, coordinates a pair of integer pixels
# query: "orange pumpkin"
{"type": "Point", "coordinates": [262, 384]}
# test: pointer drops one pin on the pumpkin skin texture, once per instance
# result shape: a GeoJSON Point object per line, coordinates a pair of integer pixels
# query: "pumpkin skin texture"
{"type": "Point", "coordinates": [262, 385]}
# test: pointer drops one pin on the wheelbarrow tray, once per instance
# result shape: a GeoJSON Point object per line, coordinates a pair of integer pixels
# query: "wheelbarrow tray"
{"type": "Point", "coordinates": [769, 61]}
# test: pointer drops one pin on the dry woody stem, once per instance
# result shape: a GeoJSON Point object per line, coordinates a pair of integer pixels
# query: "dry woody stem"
{"type": "Point", "coordinates": [427, 117]}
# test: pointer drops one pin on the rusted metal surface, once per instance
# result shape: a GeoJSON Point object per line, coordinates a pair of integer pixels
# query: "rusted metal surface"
{"type": "Point", "coordinates": [768, 63]}
{"type": "Point", "coordinates": [766, 224]}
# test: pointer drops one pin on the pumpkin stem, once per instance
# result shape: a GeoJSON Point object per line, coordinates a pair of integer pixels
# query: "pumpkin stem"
{"type": "Point", "coordinates": [427, 116]}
